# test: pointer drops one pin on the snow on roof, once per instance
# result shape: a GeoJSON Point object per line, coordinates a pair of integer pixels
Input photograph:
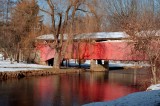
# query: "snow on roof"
{"type": "Point", "coordinates": [98, 35]}
{"type": "Point", "coordinates": [49, 37]}
{"type": "Point", "coordinates": [46, 37]}
{"type": "Point", "coordinates": [151, 33]}
{"type": "Point", "coordinates": [103, 35]}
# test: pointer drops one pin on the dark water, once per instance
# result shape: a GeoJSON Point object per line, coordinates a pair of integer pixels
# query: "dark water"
{"type": "Point", "coordinates": [66, 90]}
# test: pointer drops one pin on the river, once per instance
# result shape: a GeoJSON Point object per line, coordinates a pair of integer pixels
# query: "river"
{"type": "Point", "coordinates": [67, 89]}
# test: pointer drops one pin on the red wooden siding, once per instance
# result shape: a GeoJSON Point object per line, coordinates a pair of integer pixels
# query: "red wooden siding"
{"type": "Point", "coordinates": [114, 50]}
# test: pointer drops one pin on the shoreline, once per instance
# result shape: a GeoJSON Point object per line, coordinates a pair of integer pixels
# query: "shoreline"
{"type": "Point", "coordinates": [4, 75]}
{"type": "Point", "coordinates": [40, 72]}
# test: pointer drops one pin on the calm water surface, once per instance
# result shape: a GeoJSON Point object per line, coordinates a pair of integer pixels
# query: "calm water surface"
{"type": "Point", "coordinates": [66, 90]}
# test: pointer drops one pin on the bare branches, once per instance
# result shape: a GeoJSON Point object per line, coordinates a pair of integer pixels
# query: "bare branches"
{"type": "Point", "coordinates": [65, 19]}
{"type": "Point", "coordinates": [83, 10]}
{"type": "Point", "coordinates": [46, 11]}
{"type": "Point", "coordinates": [52, 8]}
{"type": "Point", "coordinates": [139, 20]}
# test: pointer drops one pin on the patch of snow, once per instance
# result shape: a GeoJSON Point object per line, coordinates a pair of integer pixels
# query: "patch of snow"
{"type": "Point", "coordinates": [133, 64]}
{"type": "Point", "coordinates": [111, 63]}
{"type": "Point", "coordinates": [154, 87]}
{"type": "Point", "coordinates": [1, 55]}
{"type": "Point", "coordinates": [17, 69]}
{"type": "Point", "coordinates": [150, 98]}
{"type": "Point", "coordinates": [5, 65]}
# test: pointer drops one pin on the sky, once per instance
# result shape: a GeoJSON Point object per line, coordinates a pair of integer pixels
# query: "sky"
{"type": "Point", "coordinates": [61, 6]}
{"type": "Point", "coordinates": [46, 17]}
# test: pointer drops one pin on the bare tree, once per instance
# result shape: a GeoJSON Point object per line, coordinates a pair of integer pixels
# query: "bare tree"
{"type": "Point", "coordinates": [5, 36]}
{"type": "Point", "coordinates": [63, 15]}
{"type": "Point", "coordinates": [140, 20]}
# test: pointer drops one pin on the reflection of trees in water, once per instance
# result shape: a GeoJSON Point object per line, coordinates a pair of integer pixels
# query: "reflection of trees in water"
{"type": "Point", "coordinates": [57, 98]}
{"type": "Point", "coordinates": [123, 78]}
{"type": "Point", "coordinates": [139, 77]}
{"type": "Point", "coordinates": [16, 92]}
{"type": "Point", "coordinates": [143, 80]}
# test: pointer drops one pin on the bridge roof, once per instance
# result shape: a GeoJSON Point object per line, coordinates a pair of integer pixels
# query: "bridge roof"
{"type": "Point", "coordinates": [96, 36]}
{"type": "Point", "coordinates": [103, 35]}
{"type": "Point", "coordinates": [48, 37]}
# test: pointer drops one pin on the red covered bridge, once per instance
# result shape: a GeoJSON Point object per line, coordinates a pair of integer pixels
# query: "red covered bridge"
{"type": "Point", "coordinates": [106, 46]}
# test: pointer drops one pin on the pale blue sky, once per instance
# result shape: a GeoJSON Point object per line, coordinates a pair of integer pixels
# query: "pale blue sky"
{"type": "Point", "coordinates": [61, 7]}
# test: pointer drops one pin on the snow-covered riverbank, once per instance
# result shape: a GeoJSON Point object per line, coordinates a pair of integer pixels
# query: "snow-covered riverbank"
{"type": "Point", "coordinates": [5, 65]}
{"type": "Point", "coordinates": [146, 98]}
{"type": "Point", "coordinates": [20, 70]}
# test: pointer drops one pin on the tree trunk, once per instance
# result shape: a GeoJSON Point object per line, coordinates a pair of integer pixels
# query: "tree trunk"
{"type": "Point", "coordinates": [18, 56]}
{"type": "Point", "coordinates": [154, 74]}
{"type": "Point", "coordinates": [18, 53]}
{"type": "Point", "coordinates": [11, 59]}
{"type": "Point", "coordinates": [5, 56]}
{"type": "Point", "coordinates": [57, 60]}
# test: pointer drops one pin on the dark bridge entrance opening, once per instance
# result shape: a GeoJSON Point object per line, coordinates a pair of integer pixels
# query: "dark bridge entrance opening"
{"type": "Point", "coordinates": [50, 62]}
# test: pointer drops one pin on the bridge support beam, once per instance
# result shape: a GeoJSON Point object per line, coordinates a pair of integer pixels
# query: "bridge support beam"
{"type": "Point", "coordinates": [99, 67]}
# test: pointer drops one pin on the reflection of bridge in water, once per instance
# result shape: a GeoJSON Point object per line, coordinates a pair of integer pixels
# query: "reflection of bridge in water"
{"type": "Point", "coordinates": [106, 46]}
{"type": "Point", "coordinates": [83, 88]}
